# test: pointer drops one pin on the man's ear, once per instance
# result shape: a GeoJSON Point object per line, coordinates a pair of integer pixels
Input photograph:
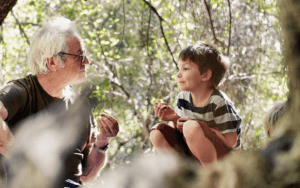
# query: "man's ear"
{"type": "Point", "coordinates": [51, 64]}
{"type": "Point", "coordinates": [206, 75]}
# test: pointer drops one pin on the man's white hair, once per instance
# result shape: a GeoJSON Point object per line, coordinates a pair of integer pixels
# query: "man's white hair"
{"type": "Point", "coordinates": [49, 41]}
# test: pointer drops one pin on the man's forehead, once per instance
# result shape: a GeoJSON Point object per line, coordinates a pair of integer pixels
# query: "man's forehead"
{"type": "Point", "coordinates": [74, 45]}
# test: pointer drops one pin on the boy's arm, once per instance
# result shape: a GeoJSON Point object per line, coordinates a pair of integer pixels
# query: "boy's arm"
{"type": "Point", "coordinates": [229, 139]}
{"type": "Point", "coordinates": [228, 121]}
{"type": "Point", "coordinates": [175, 120]}
{"type": "Point", "coordinates": [165, 112]}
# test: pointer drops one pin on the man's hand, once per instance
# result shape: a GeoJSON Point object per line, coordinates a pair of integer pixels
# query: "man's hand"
{"type": "Point", "coordinates": [181, 121]}
{"type": "Point", "coordinates": [3, 111]}
{"type": "Point", "coordinates": [109, 127]}
{"type": "Point", "coordinates": [165, 112]}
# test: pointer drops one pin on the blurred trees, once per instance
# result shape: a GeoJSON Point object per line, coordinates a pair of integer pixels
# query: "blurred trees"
{"type": "Point", "coordinates": [133, 47]}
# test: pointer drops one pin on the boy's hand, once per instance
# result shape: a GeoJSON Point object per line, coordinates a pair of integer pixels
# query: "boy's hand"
{"type": "Point", "coordinates": [165, 112]}
{"type": "Point", "coordinates": [181, 121]}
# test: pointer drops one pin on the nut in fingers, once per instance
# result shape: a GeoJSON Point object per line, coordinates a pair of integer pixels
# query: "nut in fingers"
{"type": "Point", "coordinates": [164, 107]}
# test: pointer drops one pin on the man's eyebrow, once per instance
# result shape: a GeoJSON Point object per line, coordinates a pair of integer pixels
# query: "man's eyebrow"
{"type": "Point", "coordinates": [80, 51]}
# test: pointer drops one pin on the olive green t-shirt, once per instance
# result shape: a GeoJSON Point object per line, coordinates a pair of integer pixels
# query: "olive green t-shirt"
{"type": "Point", "coordinates": [25, 97]}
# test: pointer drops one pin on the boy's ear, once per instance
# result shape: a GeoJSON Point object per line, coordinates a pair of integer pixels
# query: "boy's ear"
{"type": "Point", "coordinates": [51, 64]}
{"type": "Point", "coordinates": [207, 75]}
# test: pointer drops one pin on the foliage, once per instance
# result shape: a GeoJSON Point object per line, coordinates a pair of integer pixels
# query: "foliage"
{"type": "Point", "coordinates": [133, 55]}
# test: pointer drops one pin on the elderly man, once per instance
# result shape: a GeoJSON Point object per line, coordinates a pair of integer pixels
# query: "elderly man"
{"type": "Point", "coordinates": [57, 59]}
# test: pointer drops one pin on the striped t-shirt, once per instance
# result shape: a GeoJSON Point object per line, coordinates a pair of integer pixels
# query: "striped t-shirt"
{"type": "Point", "coordinates": [219, 112]}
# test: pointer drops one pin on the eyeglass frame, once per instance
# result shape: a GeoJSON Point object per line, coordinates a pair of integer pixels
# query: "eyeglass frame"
{"type": "Point", "coordinates": [82, 56]}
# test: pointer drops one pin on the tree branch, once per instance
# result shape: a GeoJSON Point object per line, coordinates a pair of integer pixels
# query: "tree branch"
{"type": "Point", "coordinates": [123, 32]}
{"type": "Point", "coordinates": [230, 18]}
{"type": "Point", "coordinates": [29, 23]}
{"type": "Point", "coordinates": [20, 27]}
{"type": "Point", "coordinates": [148, 29]}
{"type": "Point", "coordinates": [210, 19]}
{"type": "Point", "coordinates": [162, 30]}
{"type": "Point", "coordinates": [211, 24]}
{"type": "Point", "coordinates": [72, 13]}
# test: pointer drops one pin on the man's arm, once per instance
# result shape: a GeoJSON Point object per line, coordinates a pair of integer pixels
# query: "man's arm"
{"type": "Point", "coordinates": [5, 135]}
{"type": "Point", "coordinates": [3, 111]}
{"type": "Point", "coordinates": [95, 161]}
{"type": "Point", "coordinates": [109, 127]}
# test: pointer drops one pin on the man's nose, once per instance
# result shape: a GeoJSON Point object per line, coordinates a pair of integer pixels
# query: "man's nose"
{"type": "Point", "coordinates": [86, 61]}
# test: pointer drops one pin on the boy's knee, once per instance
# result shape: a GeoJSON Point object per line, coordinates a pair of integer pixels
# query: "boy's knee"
{"type": "Point", "coordinates": [156, 134]}
{"type": "Point", "coordinates": [192, 128]}
{"type": "Point", "coordinates": [159, 126]}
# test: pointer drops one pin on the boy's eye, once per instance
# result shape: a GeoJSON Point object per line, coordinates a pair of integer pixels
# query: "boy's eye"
{"type": "Point", "coordinates": [186, 68]}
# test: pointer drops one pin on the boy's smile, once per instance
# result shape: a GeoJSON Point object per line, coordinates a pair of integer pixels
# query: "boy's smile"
{"type": "Point", "coordinates": [188, 77]}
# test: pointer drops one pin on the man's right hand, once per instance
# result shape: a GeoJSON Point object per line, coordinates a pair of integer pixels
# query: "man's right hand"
{"type": "Point", "coordinates": [3, 111]}
{"type": "Point", "coordinates": [165, 112]}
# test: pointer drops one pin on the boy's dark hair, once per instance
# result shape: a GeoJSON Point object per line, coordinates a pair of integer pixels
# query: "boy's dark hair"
{"type": "Point", "coordinates": [206, 56]}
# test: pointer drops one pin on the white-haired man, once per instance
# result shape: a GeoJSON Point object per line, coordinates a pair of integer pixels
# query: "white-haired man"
{"type": "Point", "coordinates": [57, 59]}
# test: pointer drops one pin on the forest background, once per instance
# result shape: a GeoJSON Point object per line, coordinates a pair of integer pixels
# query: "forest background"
{"type": "Point", "coordinates": [133, 47]}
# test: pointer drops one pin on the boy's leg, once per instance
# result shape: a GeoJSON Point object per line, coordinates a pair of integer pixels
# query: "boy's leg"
{"type": "Point", "coordinates": [203, 142]}
{"type": "Point", "coordinates": [166, 138]}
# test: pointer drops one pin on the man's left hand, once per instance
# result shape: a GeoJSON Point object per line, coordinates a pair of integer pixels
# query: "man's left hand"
{"type": "Point", "coordinates": [109, 127]}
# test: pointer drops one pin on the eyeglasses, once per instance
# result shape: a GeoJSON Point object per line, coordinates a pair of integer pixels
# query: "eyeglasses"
{"type": "Point", "coordinates": [82, 56]}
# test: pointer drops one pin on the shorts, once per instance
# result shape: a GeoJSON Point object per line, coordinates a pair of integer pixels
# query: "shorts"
{"type": "Point", "coordinates": [176, 139]}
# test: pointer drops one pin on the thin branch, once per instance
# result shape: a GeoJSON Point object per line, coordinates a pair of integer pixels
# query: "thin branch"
{"type": "Point", "coordinates": [20, 27]}
{"type": "Point", "coordinates": [123, 33]}
{"type": "Point", "coordinates": [162, 30]}
{"type": "Point", "coordinates": [72, 13]}
{"type": "Point", "coordinates": [211, 21]}
{"type": "Point", "coordinates": [148, 29]}
{"type": "Point", "coordinates": [154, 10]}
{"type": "Point", "coordinates": [29, 23]}
{"type": "Point", "coordinates": [211, 24]}
{"type": "Point", "coordinates": [230, 19]}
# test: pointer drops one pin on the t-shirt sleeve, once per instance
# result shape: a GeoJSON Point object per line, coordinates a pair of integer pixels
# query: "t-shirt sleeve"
{"type": "Point", "coordinates": [14, 99]}
{"type": "Point", "coordinates": [178, 109]}
{"type": "Point", "coordinates": [92, 137]}
{"type": "Point", "coordinates": [226, 118]}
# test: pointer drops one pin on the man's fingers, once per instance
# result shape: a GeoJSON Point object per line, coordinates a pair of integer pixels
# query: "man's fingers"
{"type": "Point", "coordinates": [160, 113]}
{"type": "Point", "coordinates": [109, 117]}
{"type": "Point", "coordinates": [102, 125]}
{"type": "Point", "coordinates": [110, 125]}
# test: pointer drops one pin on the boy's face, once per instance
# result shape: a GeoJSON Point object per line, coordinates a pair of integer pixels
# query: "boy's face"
{"type": "Point", "coordinates": [189, 77]}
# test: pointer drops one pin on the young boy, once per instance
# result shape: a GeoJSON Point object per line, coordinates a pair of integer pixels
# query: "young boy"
{"type": "Point", "coordinates": [206, 125]}
{"type": "Point", "coordinates": [272, 116]}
